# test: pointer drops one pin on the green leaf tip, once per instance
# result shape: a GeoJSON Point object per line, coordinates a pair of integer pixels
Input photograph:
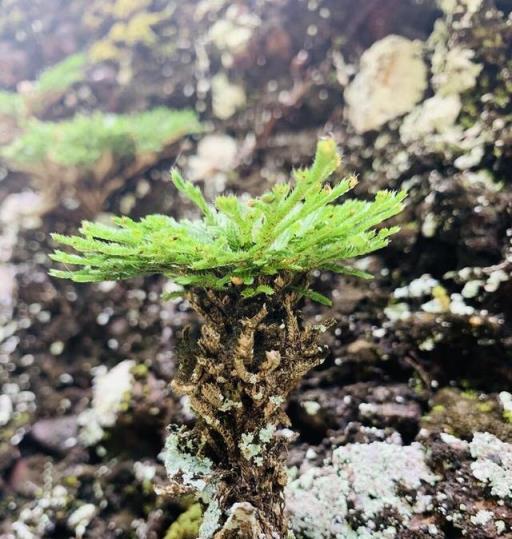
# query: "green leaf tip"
{"type": "Point", "coordinates": [239, 244]}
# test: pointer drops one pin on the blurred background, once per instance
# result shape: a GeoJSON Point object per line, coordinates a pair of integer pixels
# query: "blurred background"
{"type": "Point", "coordinates": [99, 99]}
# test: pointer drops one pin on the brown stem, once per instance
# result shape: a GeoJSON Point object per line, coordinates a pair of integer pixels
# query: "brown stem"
{"type": "Point", "coordinates": [250, 355]}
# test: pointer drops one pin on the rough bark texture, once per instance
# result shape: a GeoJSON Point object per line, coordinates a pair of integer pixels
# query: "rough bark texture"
{"type": "Point", "coordinates": [250, 354]}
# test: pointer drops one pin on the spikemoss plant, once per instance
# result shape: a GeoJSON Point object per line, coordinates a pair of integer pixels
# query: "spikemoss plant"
{"type": "Point", "coordinates": [244, 268]}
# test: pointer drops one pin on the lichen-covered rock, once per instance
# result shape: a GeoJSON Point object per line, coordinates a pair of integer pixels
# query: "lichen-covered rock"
{"type": "Point", "coordinates": [461, 413]}
{"type": "Point", "coordinates": [111, 388]}
{"type": "Point", "coordinates": [360, 494]}
{"type": "Point", "coordinates": [391, 80]}
{"type": "Point", "coordinates": [493, 464]}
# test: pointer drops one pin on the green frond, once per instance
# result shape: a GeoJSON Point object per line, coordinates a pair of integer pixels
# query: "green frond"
{"type": "Point", "coordinates": [295, 228]}
{"type": "Point", "coordinates": [82, 140]}
{"type": "Point", "coordinates": [62, 75]}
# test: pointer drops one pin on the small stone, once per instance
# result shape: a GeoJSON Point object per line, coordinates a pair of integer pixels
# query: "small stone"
{"type": "Point", "coordinates": [58, 434]}
{"type": "Point", "coordinates": [390, 68]}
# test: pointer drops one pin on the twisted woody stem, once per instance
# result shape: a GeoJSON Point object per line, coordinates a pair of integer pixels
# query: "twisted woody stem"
{"type": "Point", "coordinates": [251, 353]}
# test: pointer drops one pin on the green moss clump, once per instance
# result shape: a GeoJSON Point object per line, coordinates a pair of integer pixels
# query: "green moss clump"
{"type": "Point", "coordinates": [187, 525]}
{"type": "Point", "coordinates": [81, 141]}
{"type": "Point", "coordinates": [10, 103]}
{"type": "Point", "coordinates": [61, 75]}
{"type": "Point", "coordinates": [463, 413]}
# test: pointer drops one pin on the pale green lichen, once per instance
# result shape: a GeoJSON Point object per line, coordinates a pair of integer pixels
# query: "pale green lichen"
{"type": "Point", "coordinates": [211, 520]}
{"type": "Point", "coordinates": [10, 103]}
{"type": "Point", "coordinates": [181, 461]}
{"type": "Point", "coordinates": [253, 444]}
{"type": "Point", "coordinates": [368, 474]}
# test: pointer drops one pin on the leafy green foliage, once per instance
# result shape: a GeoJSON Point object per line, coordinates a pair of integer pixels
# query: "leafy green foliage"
{"type": "Point", "coordinates": [293, 228]}
{"type": "Point", "coordinates": [10, 103]}
{"type": "Point", "coordinates": [82, 140]}
{"type": "Point", "coordinates": [62, 75]}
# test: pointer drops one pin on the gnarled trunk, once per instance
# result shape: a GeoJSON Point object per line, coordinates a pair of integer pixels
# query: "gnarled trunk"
{"type": "Point", "coordinates": [238, 374]}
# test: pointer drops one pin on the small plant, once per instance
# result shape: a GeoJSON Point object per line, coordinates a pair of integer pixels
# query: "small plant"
{"type": "Point", "coordinates": [61, 75]}
{"type": "Point", "coordinates": [244, 268]}
{"type": "Point", "coordinates": [101, 149]}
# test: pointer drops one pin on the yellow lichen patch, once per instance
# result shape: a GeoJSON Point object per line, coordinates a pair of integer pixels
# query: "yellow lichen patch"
{"type": "Point", "coordinates": [125, 8]}
{"type": "Point", "coordinates": [104, 50]}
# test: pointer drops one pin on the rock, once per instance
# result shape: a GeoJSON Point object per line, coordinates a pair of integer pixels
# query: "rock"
{"type": "Point", "coordinates": [227, 97]}
{"type": "Point", "coordinates": [461, 413]}
{"type": "Point", "coordinates": [110, 390]}
{"type": "Point", "coordinates": [391, 80]}
{"type": "Point", "coordinates": [493, 464]}
{"type": "Point", "coordinates": [363, 480]}
{"type": "Point", "coordinates": [216, 156]}
{"type": "Point", "coordinates": [56, 434]}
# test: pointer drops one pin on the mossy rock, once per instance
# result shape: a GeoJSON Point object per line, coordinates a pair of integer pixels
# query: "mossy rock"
{"type": "Point", "coordinates": [462, 413]}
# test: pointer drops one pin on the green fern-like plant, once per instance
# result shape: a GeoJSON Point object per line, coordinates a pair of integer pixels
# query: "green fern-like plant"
{"type": "Point", "coordinates": [244, 268]}
{"type": "Point", "coordinates": [10, 103]}
{"type": "Point", "coordinates": [293, 228]}
{"type": "Point", "coordinates": [82, 140]}
{"type": "Point", "coordinates": [61, 75]}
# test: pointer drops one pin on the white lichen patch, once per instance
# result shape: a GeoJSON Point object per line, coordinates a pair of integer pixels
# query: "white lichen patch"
{"type": "Point", "coordinates": [417, 288]}
{"type": "Point", "coordinates": [454, 71]}
{"type": "Point", "coordinates": [505, 399]}
{"type": "Point", "coordinates": [397, 311]}
{"type": "Point", "coordinates": [311, 407]}
{"type": "Point", "coordinates": [367, 475]}
{"type": "Point", "coordinates": [227, 97]}
{"type": "Point", "coordinates": [232, 33]}
{"type": "Point", "coordinates": [6, 409]}
{"type": "Point", "coordinates": [111, 389]}
{"type": "Point", "coordinates": [493, 463]}
{"type": "Point", "coordinates": [80, 519]}
{"type": "Point", "coordinates": [389, 68]}
{"type": "Point", "coordinates": [482, 517]}
{"type": "Point", "coordinates": [435, 116]}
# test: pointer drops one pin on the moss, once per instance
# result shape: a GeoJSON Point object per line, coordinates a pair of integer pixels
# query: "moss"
{"type": "Point", "coordinates": [124, 8]}
{"type": "Point", "coordinates": [140, 371]}
{"type": "Point", "coordinates": [82, 140]}
{"type": "Point", "coordinates": [462, 413]}
{"type": "Point", "coordinates": [104, 50]}
{"type": "Point", "coordinates": [187, 525]}
{"type": "Point", "coordinates": [62, 75]}
{"type": "Point", "coordinates": [132, 25]}
{"type": "Point", "coordinates": [10, 103]}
